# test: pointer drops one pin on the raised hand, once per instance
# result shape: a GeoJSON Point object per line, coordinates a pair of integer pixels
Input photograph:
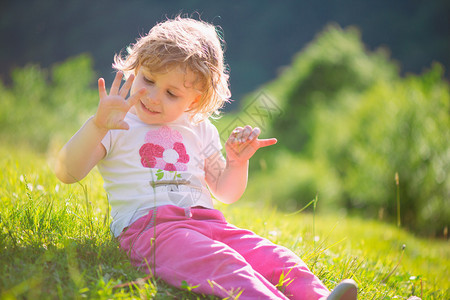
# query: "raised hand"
{"type": "Point", "coordinates": [112, 108]}
{"type": "Point", "coordinates": [244, 142]}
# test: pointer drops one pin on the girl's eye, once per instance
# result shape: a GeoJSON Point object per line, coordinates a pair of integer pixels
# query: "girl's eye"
{"type": "Point", "coordinates": [148, 80]}
{"type": "Point", "coordinates": [171, 95]}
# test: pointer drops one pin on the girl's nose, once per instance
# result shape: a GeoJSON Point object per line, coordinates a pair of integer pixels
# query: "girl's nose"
{"type": "Point", "coordinates": [153, 96]}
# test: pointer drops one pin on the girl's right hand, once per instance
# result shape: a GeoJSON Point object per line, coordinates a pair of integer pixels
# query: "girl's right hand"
{"type": "Point", "coordinates": [112, 108]}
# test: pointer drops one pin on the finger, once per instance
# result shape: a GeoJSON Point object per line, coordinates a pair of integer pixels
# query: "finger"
{"type": "Point", "coordinates": [101, 88]}
{"type": "Point", "coordinates": [254, 134]}
{"type": "Point", "coordinates": [126, 87]}
{"type": "Point", "coordinates": [133, 99]}
{"type": "Point", "coordinates": [236, 134]}
{"type": "Point", "coordinates": [116, 84]}
{"type": "Point", "coordinates": [123, 125]}
{"type": "Point", "coordinates": [245, 133]}
{"type": "Point", "coordinates": [267, 142]}
{"type": "Point", "coordinates": [241, 134]}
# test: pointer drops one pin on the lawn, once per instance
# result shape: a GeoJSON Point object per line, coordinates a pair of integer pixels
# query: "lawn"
{"type": "Point", "coordinates": [55, 243]}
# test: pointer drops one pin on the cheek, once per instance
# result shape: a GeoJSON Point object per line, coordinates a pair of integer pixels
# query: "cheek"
{"type": "Point", "coordinates": [175, 108]}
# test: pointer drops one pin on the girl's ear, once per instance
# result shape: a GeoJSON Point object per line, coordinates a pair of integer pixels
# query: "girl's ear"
{"type": "Point", "coordinates": [195, 102]}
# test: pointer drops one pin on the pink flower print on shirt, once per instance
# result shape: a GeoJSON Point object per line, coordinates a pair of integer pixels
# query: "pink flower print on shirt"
{"type": "Point", "coordinates": [164, 149]}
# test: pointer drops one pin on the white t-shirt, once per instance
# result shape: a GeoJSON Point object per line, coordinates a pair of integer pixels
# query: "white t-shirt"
{"type": "Point", "coordinates": [153, 165]}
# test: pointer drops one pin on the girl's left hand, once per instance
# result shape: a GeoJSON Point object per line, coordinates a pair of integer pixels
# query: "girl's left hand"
{"type": "Point", "coordinates": [243, 143]}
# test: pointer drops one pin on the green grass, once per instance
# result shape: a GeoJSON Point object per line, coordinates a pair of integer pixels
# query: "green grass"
{"type": "Point", "coordinates": [55, 243]}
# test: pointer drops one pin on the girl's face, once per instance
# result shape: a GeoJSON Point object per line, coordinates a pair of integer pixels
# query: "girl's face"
{"type": "Point", "coordinates": [169, 95]}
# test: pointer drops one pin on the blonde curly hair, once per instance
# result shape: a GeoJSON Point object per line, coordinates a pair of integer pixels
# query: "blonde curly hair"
{"type": "Point", "coordinates": [188, 43]}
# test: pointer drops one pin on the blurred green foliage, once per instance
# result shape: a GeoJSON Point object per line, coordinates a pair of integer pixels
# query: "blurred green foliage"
{"type": "Point", "coordinates": [349, 123]}
{"type": "Point", "coordinates": [400, 126]}
{"type": "Point", "coordinates": [336, 65]}
{"type": "Point", "coordinates": [47, 105]}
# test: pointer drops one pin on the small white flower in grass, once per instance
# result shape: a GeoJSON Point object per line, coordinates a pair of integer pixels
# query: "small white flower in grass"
{"type": "Point", "coordinates": [57, 188]}
{"type": "Point", "coordinates": [316, 238]}
{"type": "Point", "coordinates": [273, 233]}
{"type": "Point", "coordinates": [30, 187]}
{"type": "Point", "coordinates": [22, 178]}
{"type": "Point", "coordinates": [40, 188]}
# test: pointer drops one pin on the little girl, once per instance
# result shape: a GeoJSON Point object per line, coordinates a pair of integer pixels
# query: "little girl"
{"type": "Point", "coordinates": [160, 158]}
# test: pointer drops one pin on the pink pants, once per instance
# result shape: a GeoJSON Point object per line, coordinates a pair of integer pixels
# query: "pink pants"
{"type": "Point", "coordinates": [198, 246]}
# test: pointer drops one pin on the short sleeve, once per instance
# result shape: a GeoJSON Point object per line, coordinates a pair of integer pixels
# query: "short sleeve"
{"type": "Point", "coordinates": [107, 142]}
{"type": "Point", "coordinates": [210, 139]}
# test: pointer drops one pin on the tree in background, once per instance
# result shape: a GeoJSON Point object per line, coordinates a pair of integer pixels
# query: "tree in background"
{"type": "Point", "coordinates": [349, 124]}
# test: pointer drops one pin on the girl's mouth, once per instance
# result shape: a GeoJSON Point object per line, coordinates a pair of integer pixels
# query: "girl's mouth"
{"type": "Point", "coordinates": [149, 110]}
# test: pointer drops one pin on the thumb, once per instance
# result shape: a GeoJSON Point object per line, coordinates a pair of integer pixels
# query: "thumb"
{"type": "Point", "coordinates": [122, 125]}
{"type": "Point", "coordinates": [267, 142]}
